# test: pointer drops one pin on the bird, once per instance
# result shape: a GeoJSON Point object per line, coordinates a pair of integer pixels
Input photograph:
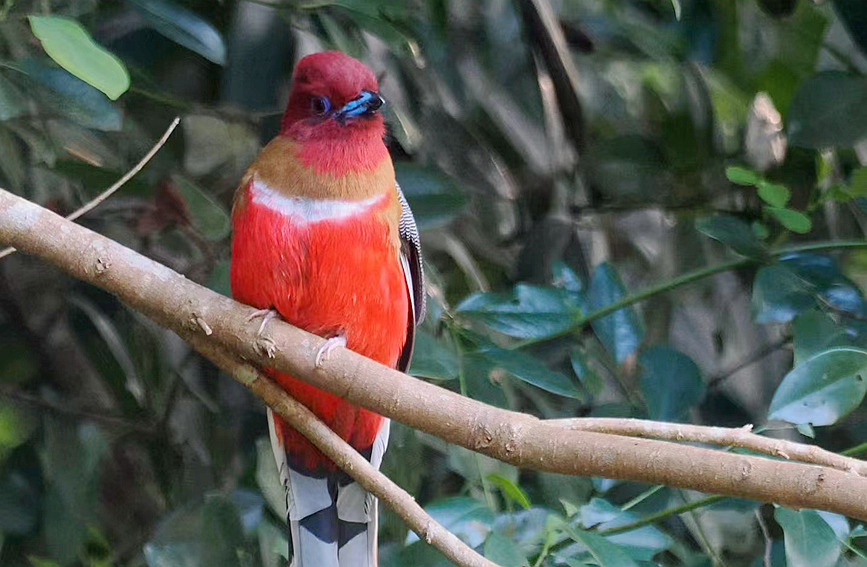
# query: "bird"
{"type": "Point", "coordinates": [323, 237]}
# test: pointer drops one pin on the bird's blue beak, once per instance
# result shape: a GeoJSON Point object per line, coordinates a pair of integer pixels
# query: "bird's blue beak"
{"type": "Point", "coordinates": [366, 104]}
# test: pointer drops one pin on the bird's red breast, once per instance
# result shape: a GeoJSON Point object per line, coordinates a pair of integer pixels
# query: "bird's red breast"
{"type": "Point", "coordinates": [319, 243]}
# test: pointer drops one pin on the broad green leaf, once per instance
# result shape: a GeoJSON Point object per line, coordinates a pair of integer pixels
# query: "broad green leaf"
{"type": "Point", "coordinates": [670, 382]}
{"type": "Point", "coordinates": [796, 221]}
{"type": "Point", "coordinates": [209, 217]}
{"type": "Point", "coordinates": [529, 369]}
{"type": "Point", "coordinates": [774, 194]}
{"type": "Point", "coordinates": [742, 176]}
{"type": "Point", "coordinates": [622, 331]}
{"type": "Point", "coordinates": [814, 331]}
{"type": "Point", "coordinates": [810, 541]}
{"type": "Point", "coordinates": [510, 489]}
{"type": "Point", "coordinates": [829, 110]}
{"type": "Point", "coordinates": [838, 523]}
{"type": "Point", "coordinates": [823, 389]}
{"type": "Point", "coordinates": [433, 196]}
{"type": "Point", "coordinates": [468, 518]}
{"type": "Point", "coordinates": [641, 543]}
{"type": "Point", "coordinates": [734, 233]}
{"type": "Point", "coordinates": [183, 27]}
{"type": "Point", "coordinates": [527, 311]}
{"type": "Point", "coordinates": [433, 358]}
{"type": "Point", "coordinates": [858, 183]}
{"type": "Point", "coordinates": [605, 553]}
{"type": "Point", "coordinates": [57, 89]}
{"type": "Point", "coordinates": [823, 274]}
{"type": "Point", "coordinates": [71, 47]}
{"type": "Point", "coordinates": [504, 552]}
{"type": "Point", "coordinates": [585, 373]}
{"type": "Point", "coordinates": [779, 294]}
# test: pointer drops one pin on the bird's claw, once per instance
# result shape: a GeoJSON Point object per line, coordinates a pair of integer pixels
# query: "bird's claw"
{"type": "Point", "coordinates": [326, 348]}
{"type": "Point", "coordinates": [266, 315]}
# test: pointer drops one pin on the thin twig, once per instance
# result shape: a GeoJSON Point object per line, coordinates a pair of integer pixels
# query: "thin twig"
{"type": "Point", "coordinates": [769, 543]}
{"type": "Point", "coordinates": [728, 437]}
{"type": "Point", "coordinates": [662, 514]}
{"type": "Point", "coordinates": [93, 203]}
{"type": "Point", "coordinates": [45, 405]}
{"type": "Point", "coordinates": [753, 358]}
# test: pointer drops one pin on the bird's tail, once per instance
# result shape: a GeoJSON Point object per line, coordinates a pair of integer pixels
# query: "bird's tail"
{"type": "Point", "coordinates": [333, 521]}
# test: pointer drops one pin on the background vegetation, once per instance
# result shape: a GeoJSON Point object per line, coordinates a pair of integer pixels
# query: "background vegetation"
{"type": "Point", "coordinates": [550, 180]}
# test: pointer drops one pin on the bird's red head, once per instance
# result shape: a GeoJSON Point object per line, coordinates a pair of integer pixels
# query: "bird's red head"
{"type": "Point", "coordinates": [333, 97]}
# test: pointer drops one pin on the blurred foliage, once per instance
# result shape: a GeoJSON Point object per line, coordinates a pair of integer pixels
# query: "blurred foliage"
{"type": "Point", "coordinates": [570, 182]}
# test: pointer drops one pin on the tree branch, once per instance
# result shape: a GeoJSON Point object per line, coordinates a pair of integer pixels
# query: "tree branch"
{"type": "Point", "coordinates": [724, 436]}
{"type": "Point", "coordinates": [519, 439]}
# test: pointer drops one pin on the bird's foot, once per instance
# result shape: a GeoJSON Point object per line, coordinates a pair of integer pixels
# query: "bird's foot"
{"type": "Point", "coordinates": [266, 315]}
{"type": "Point", "coordinates": [327, 347]}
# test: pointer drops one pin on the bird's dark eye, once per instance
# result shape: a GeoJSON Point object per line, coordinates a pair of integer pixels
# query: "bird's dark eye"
{"type": "Point", "coordinates": [320, 105]}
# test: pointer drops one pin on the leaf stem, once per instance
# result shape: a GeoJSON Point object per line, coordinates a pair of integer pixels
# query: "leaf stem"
{"type": "Point", "coordinates": [691, 277]}
{"type": "Point", "coordinates": [662, 514]}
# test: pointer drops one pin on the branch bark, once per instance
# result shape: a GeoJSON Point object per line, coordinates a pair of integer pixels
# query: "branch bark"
{"type": "Point", "coordinates": [724, 436]}
{"type": "Point", "coordinates": [515, 438]}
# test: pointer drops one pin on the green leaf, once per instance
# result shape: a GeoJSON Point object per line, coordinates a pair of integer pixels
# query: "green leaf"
{"type": "Point", "coordinates": [858, 183]}
{"type": "Point", "coordinates": [671, 383]}
{"type": "Point", "coordinates": [71, 47]}
{"type": "Point", "coordinates": [810, 541]}
{"type": "Point", "coordinates": [585, 373]}
{"type": "Point", "coordinates": [529, 369]}
{"type": "Point", "coordinates": [823, 389]}
{"type": "Point", "coordinates": [510, 489]}
{"type": "Point", "coordinates": [57, 89]}
{"type": "Point", "coordinates": [208, 216]}
{"type": "Point", "coordinates": [774, 194]}
{"type": "Point", "coordinates": [433, 358]}
{"type": "Point", "coordinates": [433, 196]}
{"type": "Point", "coordinates": [183, 27]}
{"type": "Point", "coordinates": [813, 332]}
{"type": "Point", "coordinates": [641, 543]}
{"type": "Point", "coordinates": [779, 294]}
{"type": "Point", "coordinates": [743, 176]}
{"type": "Point", "coordinates": [621, 332]}
{"type": "Point", "coordinates": [734, 233]}
{"type": "Point", "coordinates": [829, 110]}
{"type": "Point", "coordinates": [796, 221]}
{"type": "Point", "coordinates": [527, 312]}
{"type": "Point", "coordinates": [467, 518]}
{"type": "Point", "coordinates": [605, 553]}
{"type": "Point", "coordinates": [504, 552]}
